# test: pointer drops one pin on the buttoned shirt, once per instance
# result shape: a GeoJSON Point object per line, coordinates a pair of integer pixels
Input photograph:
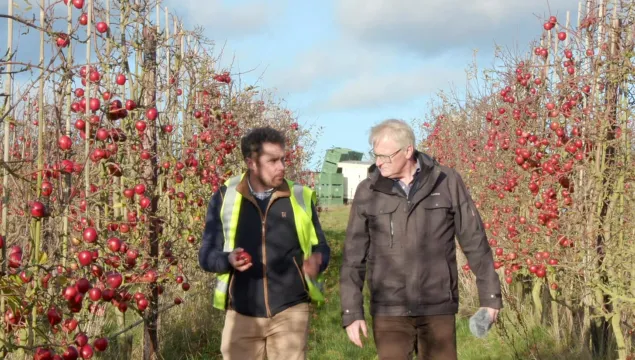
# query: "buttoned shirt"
{"type": "Point", "coordinates": [406, 187]}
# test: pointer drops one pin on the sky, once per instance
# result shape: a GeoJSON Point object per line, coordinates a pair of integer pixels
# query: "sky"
{"type": "Point", "coordinates": [346, 65]}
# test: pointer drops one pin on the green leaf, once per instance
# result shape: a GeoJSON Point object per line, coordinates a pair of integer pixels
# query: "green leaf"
{"type": "Point", "coordinates": [43, 258]}
{"type": "Point", "coordinates": [30, 292]}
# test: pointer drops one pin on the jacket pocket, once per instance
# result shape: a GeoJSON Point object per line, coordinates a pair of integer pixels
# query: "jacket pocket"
{"type": "Point", "coordinates": [301, 274]}
{"type": "Point", "coordinates": [450, 283]}
{"type": "Point", "coordinates": [387, 280]}
{"type": "Point", "coordinates": [381, 224]}
{"type": "Point", "coordinates": [438, 216]}
{"type": "Point", "coordinates": [436, 283]}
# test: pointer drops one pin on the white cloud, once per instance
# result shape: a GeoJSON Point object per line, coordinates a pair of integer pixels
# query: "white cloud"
{"type": "Point", "coordinates": [328, 62]}
{"type": "Point", "coordinates": [368, 90]}
{"type": "Point", "coordinates": [384, 36]}
{"type": "Point", "coordinates": [430, 27]}
{"type": "Point", "coordinates": [223, 20]}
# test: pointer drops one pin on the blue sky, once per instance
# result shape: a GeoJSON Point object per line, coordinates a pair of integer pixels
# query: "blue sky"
{"type": "Point", "coordinates": [345, 65]}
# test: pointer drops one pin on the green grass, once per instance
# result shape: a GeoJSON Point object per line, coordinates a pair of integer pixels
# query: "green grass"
{"type": "Point", "coordinates": [193, 330]}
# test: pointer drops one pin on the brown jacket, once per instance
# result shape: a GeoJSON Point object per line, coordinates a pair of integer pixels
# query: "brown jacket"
{"type": "Point", "coordinates": [407, 246]}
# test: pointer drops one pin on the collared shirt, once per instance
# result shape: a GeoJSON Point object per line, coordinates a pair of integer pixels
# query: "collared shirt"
{"type": "Point", "coordinates": [260, 195]}
{"type": "Point", "coordinates": [406, 187]}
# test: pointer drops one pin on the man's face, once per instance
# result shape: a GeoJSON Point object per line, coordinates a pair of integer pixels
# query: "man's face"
{"type": "Point", "coordinates": [269, 167]}
{"type": "Point", "coordinates": [390, 158]}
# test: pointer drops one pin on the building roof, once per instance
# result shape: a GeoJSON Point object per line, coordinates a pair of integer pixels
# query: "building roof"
{"type": "Point", "coordinates": [356, 162]}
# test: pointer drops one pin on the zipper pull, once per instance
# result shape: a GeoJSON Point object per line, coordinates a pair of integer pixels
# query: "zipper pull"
{"type": "Point", "coordinates": [391, 231]}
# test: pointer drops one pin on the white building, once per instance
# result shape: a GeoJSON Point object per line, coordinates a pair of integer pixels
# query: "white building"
{"type": "Point", "coordinates": [354, 172]}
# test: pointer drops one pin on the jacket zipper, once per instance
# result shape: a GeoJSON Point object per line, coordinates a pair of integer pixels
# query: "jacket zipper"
{"type": "Point", "coordinates": [391, 231]}
{"type": "Point", "coordinates": [450, 280]}
{"type": "Point", "coordinates": [301, 275]}
{"type": "Point", "coordinates": [264, 263]}
{"type": "Point", "coordinates": [229, 290]}
{"type": "Point", "coordinates": [263, 218]}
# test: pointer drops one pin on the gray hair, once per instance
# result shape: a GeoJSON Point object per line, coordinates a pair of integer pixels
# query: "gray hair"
{"type": "Point", "coordinates": [394, 129]}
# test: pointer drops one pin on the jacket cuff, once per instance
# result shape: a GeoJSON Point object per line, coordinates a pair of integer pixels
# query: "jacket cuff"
{"type": "Point", "coordinates": [494, 301]}
{"type": "Point", "coordinates": [348, 317]}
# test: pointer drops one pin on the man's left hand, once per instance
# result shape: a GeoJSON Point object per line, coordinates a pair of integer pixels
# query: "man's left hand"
{"type": "Point", "coordinates": [493, 313]}
{"type": "Point", "coordinates": [311, 266]}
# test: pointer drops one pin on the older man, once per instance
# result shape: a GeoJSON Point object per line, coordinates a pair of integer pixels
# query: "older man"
{"type": "Point", "coordinates": [401, 228]}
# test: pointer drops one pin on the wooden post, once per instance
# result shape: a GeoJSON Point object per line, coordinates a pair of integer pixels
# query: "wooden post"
{"type": "Point", "coordinates": [5, 157]}
{"type": "Point", "coordinates": [149, 175]}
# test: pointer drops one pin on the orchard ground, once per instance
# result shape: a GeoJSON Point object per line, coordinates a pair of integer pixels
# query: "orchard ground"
{"type": "Point", "coordinates": [193, 330]}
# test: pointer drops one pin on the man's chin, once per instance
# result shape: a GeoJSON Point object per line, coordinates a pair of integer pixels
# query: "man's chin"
{"type": "Point", "coordinates": [276, 182]}
{"type": "Point", "coordinates": [386, 174]}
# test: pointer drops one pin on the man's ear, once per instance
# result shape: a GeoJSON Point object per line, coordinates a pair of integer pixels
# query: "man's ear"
{"type": "Point", "coordinates": [410, 151]}
{"type": "Point", "coordinates": [251, 163]}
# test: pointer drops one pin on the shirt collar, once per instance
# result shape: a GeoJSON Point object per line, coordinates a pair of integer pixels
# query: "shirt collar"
{"type": "Point", "coordinates": [260, 195]}
{"type": "Point", "coordinates": [417, 171]}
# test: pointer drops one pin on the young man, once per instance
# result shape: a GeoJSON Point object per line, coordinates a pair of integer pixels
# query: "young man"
{"type": "Point", "coordinates": [275, 222]}
{"type": "Point", "coordinates": [402, 225]}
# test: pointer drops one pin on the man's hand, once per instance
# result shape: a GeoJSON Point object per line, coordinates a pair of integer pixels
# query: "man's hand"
{"type": "Point", "coordinates": [238, 264]}
{"type": "Point", "coordinates": [493, 313]}
{"type": "Point", "coordinates": [311, 266]}
{"type": "Point", "coordinates": [353, 332]}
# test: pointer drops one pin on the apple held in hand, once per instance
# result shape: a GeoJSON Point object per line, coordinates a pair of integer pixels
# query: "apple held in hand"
{"type": "Point", "coordinates": [243, 256]}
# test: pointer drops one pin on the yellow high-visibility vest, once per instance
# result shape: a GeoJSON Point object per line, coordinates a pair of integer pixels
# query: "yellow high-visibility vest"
{"type": "Point", "coordinates": [301, 199]}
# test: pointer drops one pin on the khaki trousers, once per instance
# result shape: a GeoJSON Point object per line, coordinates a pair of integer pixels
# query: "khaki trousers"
{"type": "Point", "coordinates": [282, 337]}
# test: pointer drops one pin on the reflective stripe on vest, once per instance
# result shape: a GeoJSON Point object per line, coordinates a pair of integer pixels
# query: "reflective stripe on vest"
{"type": "Point", "coordinates": [230, 211]}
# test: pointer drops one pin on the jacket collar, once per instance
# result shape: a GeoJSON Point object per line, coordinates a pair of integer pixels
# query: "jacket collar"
{"type": "Point", "coordinates": [424, 181]}
{"type": "Point", "coordinates": [243, 188]}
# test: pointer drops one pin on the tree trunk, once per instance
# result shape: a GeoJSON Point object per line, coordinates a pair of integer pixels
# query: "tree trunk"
{"type": "Point", "coordinates": [601, 335]}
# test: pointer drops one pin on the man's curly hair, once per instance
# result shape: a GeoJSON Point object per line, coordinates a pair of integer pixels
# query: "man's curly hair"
{"type": "Point", "coordinates": [252, 142]}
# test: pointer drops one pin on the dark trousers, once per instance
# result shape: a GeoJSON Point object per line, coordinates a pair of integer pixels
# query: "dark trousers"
{"type": "Point", "coordinates": [430, 337]}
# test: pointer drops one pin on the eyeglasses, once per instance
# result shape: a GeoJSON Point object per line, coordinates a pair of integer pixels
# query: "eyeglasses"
{"type": "Point", "coordinates": [384, 158]}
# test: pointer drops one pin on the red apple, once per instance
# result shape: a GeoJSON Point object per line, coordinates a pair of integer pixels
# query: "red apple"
{"type": "Point", "coordinates": [140, 189]}
{"type": "Point", "coordinates": [90, 235]}
{"type": "Point", "coordinates": [70, 353]}
{"type": "Point", "coordinates": [114, 244]}
{"type": "Point", "coordinates": [100, 344]}
{"type": "Point", "coordinates": [64, 142]}
{"type": "Point", "coordinates": [53, 315]}
{"type": "Point", "coordinates": [83, 19]}
{"type": "Point", "coordinates": [114, 280]}
{"type": "Point", "coordinates": [86, 352]}
{"type": "Point", "coordinates": [140, 126]}
{"type": "Point", "coordinates": [42, 354]}
{"type": "Point", "coordinates": [243, 256]}
{"type": "Point", "coordinates": [151, 114]}
{"type": "Point", "coordinates": [37, 209]}
{"type": "Point", "coordinates": [101, 27]}
{"type": "Point", "coordinates": [121, 79]}
{"type": "Point", "coordinates": [83, 285]}
{"type": "Point", "coordinates": [85, 257]}
{"type": "Point", "coordinates": [142, 304]}
{"type": "Point", "coordinates": [81, 339]}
